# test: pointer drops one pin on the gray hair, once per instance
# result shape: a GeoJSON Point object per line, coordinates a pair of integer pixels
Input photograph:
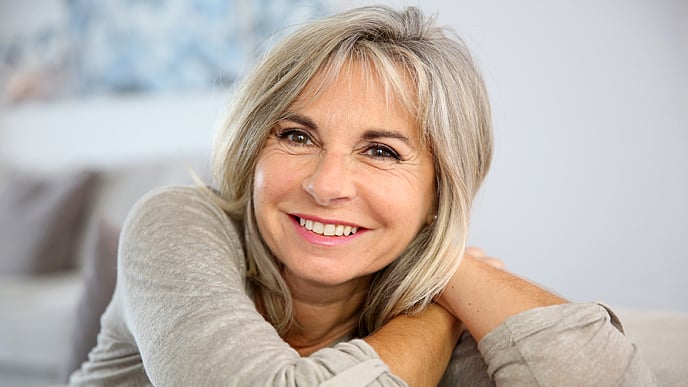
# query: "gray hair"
{"type": "Point", "coordinates": [449, 100]}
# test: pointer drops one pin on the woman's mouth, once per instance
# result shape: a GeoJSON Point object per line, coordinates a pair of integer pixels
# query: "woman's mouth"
{"type": "Point", "coordinates": [326, 228]}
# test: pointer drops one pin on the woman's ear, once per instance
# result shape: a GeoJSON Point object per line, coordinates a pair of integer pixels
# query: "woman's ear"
{"type": "Point", "coordinates": [432, 217]}
{"type": "Point", "coordinates": [434, 210]}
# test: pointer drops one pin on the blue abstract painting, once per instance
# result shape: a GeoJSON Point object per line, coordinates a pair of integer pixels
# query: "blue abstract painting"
{"type": "Point", "coordinates": [153, 45]}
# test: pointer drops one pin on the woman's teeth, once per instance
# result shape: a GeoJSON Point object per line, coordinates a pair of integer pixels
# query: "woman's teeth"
{"type": "Point", "coordinates": [327, 229]}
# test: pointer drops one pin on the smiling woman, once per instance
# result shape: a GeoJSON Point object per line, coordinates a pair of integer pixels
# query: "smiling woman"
{"type": "Point", "coordinates": [331, 250]}
{"type": "Point", "coordinates": [346, 159]}
{"type": "Point", "coordinates": [399, 68]}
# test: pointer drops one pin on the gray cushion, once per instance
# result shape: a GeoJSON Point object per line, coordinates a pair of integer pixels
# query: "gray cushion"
{"type": "Point", "coordinates": [99, 278]}
{"type": "Point", "coordinates": [41, 219]}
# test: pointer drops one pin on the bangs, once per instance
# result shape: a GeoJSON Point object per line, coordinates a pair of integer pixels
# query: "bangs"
{"type": "Point", "coordinates": [399, 80]}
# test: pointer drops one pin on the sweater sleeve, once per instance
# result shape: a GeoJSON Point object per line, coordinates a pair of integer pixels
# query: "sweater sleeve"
{"type": "Point", "coordinates": [569, 344]}
{"type": "Point", "coordinates": [182, 288]}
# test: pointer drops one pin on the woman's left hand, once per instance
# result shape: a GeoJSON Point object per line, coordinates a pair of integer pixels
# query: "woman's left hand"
{"type": "Point", "coordinates": [481, 294]}
{"type": "Point", "coordinates": [479, 254]}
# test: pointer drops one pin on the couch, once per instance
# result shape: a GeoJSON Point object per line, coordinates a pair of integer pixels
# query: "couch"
{"type": "Point", "coordinates": [68, 176]}
{"type": "Point", "coordinates": [60, 225]}
{"type": "Point", "coordinates": [50, 307]}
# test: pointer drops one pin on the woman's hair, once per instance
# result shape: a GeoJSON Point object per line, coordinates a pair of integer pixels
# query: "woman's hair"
{"type": "Point", "coordinates": [433, 75]}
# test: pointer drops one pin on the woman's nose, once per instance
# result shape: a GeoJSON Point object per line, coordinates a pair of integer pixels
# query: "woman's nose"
{"type": "Point", "coordinates": [331, 180]}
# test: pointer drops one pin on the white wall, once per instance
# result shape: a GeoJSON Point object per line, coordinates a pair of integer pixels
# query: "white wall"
{"type": "Point", "coordinates": [588, 193]}
{"type": "Point", "coordinates": [110, 130]}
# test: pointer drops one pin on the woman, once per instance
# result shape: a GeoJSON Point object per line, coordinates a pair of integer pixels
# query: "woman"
{"type": "Point", "coordinates": [332, 250]}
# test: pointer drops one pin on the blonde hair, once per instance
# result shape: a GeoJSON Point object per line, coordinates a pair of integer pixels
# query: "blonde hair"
{"type": "Point", "coordinates": [450, 103]}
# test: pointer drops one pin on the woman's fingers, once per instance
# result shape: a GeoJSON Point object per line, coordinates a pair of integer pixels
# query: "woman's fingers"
{"type": "Point", "coordinates": [475, 251]}
{"type": "Point", "coordinates": [479, 254]}
{"type": "Point", "coordinates": [494, 262]}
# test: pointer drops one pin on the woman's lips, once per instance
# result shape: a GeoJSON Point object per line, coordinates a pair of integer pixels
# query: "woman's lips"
{"type": "Point", "coordinates": [327, 229]}
{"type": "Point", "coordinates": [324, 233]}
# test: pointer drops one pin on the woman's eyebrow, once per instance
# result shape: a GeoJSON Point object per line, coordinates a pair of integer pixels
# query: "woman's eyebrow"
{"type": "Point", "coordinates": [371, 134]}
{"type": "Point", "coordinates": [300, 119]}
{"type": "Point", "coordinates": [374, 134]}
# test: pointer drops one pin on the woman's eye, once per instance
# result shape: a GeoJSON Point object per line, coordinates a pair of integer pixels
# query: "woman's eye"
{"type": "Point", "coordinates": [379, 151]}
{"type": "Point", "coordinates": [295, 136]}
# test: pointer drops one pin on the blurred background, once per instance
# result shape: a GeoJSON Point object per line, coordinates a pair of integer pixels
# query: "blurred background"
{"type": "Point", "coordinates": [588, 193]}
{"type": "Point", "coordinates": [589, 188]}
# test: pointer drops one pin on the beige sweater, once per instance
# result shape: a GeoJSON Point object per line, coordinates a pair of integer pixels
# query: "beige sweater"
{"type": "Point", "coordinates": [181, 315]}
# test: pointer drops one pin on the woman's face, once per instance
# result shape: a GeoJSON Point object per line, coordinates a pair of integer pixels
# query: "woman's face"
{"type": "Point", "coordinates": [342, 185]}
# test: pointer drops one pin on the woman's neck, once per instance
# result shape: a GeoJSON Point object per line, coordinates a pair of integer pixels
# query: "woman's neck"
{"type": "Point", "coordinates": [324, 314]}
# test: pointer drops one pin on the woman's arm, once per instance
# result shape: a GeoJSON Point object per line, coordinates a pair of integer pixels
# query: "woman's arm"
{"type": "Point", "coordinates": [182, 292]}
{"type": "Point", "coordinates": [529, 336]}
{"type": "Point", "coordinates": [483, 296]}
{"type": "Point", "coordinates": [184, 305]}
{"type": "Point", "coordinates": [418, 348]}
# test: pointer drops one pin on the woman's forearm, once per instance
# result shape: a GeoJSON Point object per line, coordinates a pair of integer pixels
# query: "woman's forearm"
{"type": "Point", "coordinates": [483, 296]}
{"type": "Point", "coordinates": [418, 348]}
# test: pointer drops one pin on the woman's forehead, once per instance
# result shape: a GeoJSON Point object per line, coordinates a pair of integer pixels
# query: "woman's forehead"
{"type": "Point", "coordinates": [394, 81]}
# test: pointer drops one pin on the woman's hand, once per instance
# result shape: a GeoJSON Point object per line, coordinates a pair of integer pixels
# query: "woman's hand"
{"type": "Point", "coordinates": [482, 295]}
{"type": "Point", "coordinates": [479, 254]}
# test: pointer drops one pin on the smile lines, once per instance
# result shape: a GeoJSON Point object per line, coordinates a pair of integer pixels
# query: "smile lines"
{"type": "Point", "coordinates": [327, 229]}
